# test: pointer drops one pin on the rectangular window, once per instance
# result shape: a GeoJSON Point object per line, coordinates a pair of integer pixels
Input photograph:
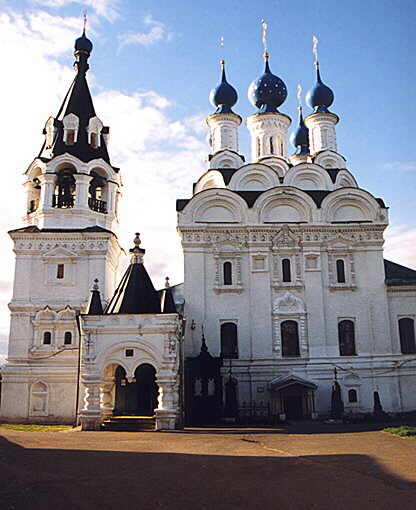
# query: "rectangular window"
{"type": "Point", "coordinates": [60, 271]}
{"type": "Point", "coordinates": [129, 353]}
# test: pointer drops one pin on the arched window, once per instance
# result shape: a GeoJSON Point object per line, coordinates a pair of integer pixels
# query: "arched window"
{"type": "Point", "coordinates": [346, 338]}
{"type": "Point", "coordinates": [352, 396]}
{"type": "Point", "coordinates": [64, 196]}
{"type": "Point", "coordinates": [229, 342]}
{"type": "Point", "coordinates": [340, 271]}
{"type": "Point", "coordinates": [96, 192]}
{"type": "Point", "coordinates": [286, 270]}
{"type": "Point", "coordinates": [47, 338]}
{"type": "Point", "coordinates": [290, 338]}
{"type": "Point", "coordinates": [68, 338]}
{"type": "Point", "coordinates": [407, 336]}
{"type": "Point", "coordinates": [228, 273]}
{"type": "Point", "coordinates": [271, 145]}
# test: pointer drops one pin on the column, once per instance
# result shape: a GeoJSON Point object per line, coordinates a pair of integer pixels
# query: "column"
{"type": "Point", "coordinates": [167, 412]}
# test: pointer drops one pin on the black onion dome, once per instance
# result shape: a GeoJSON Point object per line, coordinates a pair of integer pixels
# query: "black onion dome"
{"type": "Point", "coordinates": [268, 92]}
{"type": "Point", "coordinates": [300, 137]}
{"type": "Point", "coordinates": [224, 96]}
{"type": "Point", "coordinates": [321, 96]}
{"type": "Point", "coordinates": [83, 43]}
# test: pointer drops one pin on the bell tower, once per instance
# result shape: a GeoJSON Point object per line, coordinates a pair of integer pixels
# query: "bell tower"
{"type": "Point", "coordinates": [67, 241]}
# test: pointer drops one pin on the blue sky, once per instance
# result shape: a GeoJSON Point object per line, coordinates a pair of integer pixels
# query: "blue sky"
{"type": "Point", "coordinates": [366, 51]}
{"type": "Point", "coordinates": [152, 67]}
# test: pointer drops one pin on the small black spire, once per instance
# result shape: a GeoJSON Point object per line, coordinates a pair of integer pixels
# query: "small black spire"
{"type": "Point", "coordinates": [95, 306]}
{"type": "Point", "coordinates": [204, 347]}
{"type": "Point", "coordinates": [168, 303]}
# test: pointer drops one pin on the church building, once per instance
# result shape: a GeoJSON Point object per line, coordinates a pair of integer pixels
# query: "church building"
{"type": "Point", "coordinates": [285, 285]}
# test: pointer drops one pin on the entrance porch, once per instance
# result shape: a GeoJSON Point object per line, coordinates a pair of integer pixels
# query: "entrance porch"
{"type": "Point", "coordinates": [293, 397]}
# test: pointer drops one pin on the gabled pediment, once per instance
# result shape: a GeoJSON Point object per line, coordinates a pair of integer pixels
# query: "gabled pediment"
{"type": "Point", "coordinates": [58, 252]}
{"type": "Point", "coordinates": [339, 243]}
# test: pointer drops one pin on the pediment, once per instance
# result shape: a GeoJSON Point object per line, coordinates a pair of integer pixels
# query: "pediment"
{"type": "Point", "coordinates": [59, 252]}
{"type": "Point", "coordinates": [339, 243]}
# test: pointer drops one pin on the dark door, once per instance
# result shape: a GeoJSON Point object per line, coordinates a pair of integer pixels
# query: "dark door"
{"type": "Point", "coordinates": [147, 390]}
{"type": "Point", "coordinates": [293, 407]}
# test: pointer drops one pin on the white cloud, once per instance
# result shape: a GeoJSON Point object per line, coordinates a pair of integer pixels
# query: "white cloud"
{"type": "Point", "coordinates": [157, 32]}
{"type": "Point", "coordinates": [108, 9]}
{"type": "Point", "coordinates": [401, 166]}
{"type": "Point", "coordinates": [159, 157]}
{"type": "Point", "coordinates": [400, 245]}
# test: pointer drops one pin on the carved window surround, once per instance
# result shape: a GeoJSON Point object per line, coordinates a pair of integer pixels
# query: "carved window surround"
{"type": "Point", "coordinates": [228, 251]}
{"type": "Point", "coordinates": [289, 307]}
{"type": "Point", "coordinates": [350, 280]}
{"type": "Point", "coordinates": [235, 260]}
{"type": "Point", "coordinates": [295, 267]}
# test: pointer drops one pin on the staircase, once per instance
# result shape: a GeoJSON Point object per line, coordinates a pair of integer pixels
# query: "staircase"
{"type": "Point", "coordinates": [130, 424]}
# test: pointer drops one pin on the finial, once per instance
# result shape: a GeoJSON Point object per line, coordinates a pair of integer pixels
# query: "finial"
{"type": "Point", "coordinates": [315, 50]}
{"type": "Point", "coordinates": [137, 252]}
{"type": "Point", "coordinates": [299, 97]}
{"type": "Point", "coordinates": [167, 284]}
{"type": "Point", "coordinates": [137, 242]}
{"type": "Point", "coordinates": [95, 286]}
{"type": "Point", "coordinates": [264, 28]}
{"type": "Point", "coordinates": [84, 13]}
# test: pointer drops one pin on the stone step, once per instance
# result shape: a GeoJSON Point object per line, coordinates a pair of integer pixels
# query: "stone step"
{"type": "Point", "coordinates": [130, 423]}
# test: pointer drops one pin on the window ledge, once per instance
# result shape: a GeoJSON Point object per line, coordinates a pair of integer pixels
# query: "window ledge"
{"type": "Point", "coordinates": [342, 286]}
{"type": "Point", "coordinates": [236, 289]}
{"type": "Point", "coordinates": [287, 285]}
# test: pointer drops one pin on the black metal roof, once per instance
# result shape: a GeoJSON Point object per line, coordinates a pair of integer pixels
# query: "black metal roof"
{"type": "Point", "coordinates": [251, 196]}
{"type": "Point", "coordinates": [35, 229]}
{"type": "Point", "coordinates": [78, 101]}
{"type": "Point", "coordinates": [397, 274]}
{"type": "Point", "coordinates": [135, 293]}
{"type": "Point", "coordinates": [95, 307]}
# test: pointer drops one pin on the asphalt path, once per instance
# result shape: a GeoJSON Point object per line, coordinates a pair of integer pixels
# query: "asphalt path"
{"type": "Point", "coordinates": [216, 469]}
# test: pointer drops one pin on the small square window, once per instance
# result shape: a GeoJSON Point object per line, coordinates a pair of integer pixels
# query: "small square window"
{"type": "Point", "coordinates": [129, 353]}
{"type": "Point", "coordinates": [60, 271]}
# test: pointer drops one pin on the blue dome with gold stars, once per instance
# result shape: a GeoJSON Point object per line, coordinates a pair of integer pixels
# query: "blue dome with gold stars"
{"type": "Point", "coordinates": [224, 96]}
{"type": "Point", "coordinates": [321, 96]}
{"type": "Point", "coordinates": [268, 92]}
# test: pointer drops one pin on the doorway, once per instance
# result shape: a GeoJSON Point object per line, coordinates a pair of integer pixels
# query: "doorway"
{"type": "Point", "coordinates": [139, 397]}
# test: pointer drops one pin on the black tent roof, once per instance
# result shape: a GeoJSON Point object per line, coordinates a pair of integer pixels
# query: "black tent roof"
{"type": "Point", "coordinates": [135, 293]}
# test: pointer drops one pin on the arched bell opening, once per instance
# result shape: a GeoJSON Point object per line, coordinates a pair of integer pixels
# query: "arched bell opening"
{"type": "Point", "coordinates": [65, 188]}
{"type": "Point", "coordinates": [33, 196]}
{"type": "Point", "coordinates": [97, 193]}
{"type": "Point", "coordinates": [136, 396]}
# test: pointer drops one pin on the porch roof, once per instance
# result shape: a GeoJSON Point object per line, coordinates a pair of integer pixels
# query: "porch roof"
{"type": "Point", "coordinates": [282, 382]}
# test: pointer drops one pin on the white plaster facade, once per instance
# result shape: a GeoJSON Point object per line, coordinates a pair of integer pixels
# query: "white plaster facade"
{"type": "Point", "coordinates": [276, 246]}
{"type": "Point", "coordinates": [129, 341]}
{"type": "Point", "coordinates": [311, 218]}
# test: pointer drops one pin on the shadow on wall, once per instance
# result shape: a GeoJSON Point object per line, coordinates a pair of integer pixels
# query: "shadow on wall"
{"type": "Point", "coordinates": [33, 479]}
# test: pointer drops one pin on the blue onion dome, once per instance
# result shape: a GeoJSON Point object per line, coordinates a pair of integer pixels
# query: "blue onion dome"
{"type": "Point", "coordinates": [300, 137]}
{"type": "Point", "coordinates": [224, 96]}
{"type": "Point", "coordinates": [268, 92]}
{"type": "Point", "coordinates": [83, 43]}
{"type": "Point", "coordinates": [321, 96]}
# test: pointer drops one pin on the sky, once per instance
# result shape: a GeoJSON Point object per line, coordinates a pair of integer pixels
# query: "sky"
{"type": "Point", "coordinates": [151, 70]}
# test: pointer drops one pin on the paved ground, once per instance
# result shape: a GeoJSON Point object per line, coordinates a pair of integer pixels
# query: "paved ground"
{"type": "Point", "coordinates": [213, 470]}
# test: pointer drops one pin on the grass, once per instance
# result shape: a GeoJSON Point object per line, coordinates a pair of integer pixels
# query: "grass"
{"type": "Point", "coordinates": [403, 431]}
{"type": "Point", "coordinates": [34, 428]}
